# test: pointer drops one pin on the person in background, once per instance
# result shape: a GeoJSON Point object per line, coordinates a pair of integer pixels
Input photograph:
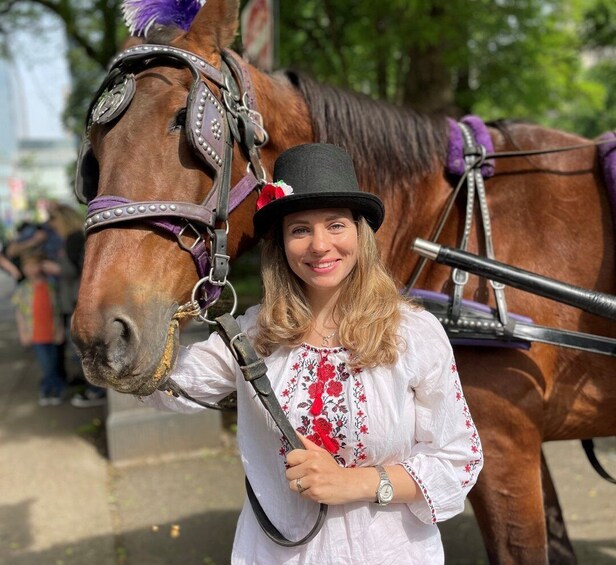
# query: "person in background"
{"type": "Point", "coordinates": [32, 236]}
{"type": "Point", "coordinates": [68, 224]}
{"type": "Point", "coordinates": [40, 326]}
{"type": "Point", "coordinates": [9, 267]}
{"type": "Point", "coordinates": [367, 379]}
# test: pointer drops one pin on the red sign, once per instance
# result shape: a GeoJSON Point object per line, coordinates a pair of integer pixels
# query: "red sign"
{"type": "Point", "coordinates": [258, 33]}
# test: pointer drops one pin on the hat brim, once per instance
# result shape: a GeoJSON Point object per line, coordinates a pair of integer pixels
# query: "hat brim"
{"type": "Point", "coordinates": [364, 203]}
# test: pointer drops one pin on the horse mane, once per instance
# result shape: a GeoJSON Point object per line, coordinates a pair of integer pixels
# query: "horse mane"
{"type": "Point", "coordinates": [387, 143]}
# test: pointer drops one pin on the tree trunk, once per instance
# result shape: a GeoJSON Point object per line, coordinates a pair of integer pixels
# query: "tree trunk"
{"type": "Point", "coordinates": [428, 85]}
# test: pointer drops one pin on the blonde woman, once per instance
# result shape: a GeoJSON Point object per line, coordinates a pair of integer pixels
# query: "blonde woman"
{"type": "Point", "coordinates": [368, 381]}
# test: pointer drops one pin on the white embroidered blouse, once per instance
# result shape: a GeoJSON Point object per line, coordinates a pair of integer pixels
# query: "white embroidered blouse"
{"type": "Point", "coordinates": [413, 414]}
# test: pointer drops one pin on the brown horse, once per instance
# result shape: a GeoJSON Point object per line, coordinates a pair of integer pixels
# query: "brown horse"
{"type": "Point", "coordinates": [549, 214]}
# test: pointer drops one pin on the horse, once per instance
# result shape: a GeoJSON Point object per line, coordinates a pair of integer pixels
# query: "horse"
{"type": "Point", "coordinates": [549, 214]}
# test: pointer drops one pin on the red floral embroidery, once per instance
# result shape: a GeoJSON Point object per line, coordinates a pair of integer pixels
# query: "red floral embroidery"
{"type": "Point", "coordinates": [334, 388]}
{"type": "Point", "coordinates": [321, 426]}
{"type": "Point", "coordinates": [325, 408]}
{"type": "Point", "coordinates": [474, 438]}
{"type": "Point", "coordinates": [315, 389]}
{"type": "Point", "coordinates": [326, 371]}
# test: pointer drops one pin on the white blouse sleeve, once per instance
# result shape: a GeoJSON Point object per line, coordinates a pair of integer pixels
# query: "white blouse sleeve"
{"type": "Point", "coordinates": [447, 457]}
{"type": "Point", "coordinates": [206, 370]}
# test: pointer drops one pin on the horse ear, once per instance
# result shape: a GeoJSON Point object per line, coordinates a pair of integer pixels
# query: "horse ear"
{"type": "Point", "coordinates": [216, 24]}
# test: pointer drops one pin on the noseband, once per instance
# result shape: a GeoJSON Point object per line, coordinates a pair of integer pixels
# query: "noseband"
{"type": "Point", "coordinates": [213, 124]}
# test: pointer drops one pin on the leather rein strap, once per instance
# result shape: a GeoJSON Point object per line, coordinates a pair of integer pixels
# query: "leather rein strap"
{"type": "Point", "coordinates": [255, 372]}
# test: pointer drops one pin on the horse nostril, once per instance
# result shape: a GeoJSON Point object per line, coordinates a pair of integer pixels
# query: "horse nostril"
{"type": "Point", "coordinates": [121, 329]}
{"type": "Point", "coordinates": [122, 339]}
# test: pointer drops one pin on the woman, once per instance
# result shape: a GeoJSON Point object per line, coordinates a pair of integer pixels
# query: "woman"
{"type": "Point", "coordinates": [368, 381]}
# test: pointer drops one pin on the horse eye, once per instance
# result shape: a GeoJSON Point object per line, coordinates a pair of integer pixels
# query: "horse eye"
{"type": "Point", "coordinates": [180, 120]}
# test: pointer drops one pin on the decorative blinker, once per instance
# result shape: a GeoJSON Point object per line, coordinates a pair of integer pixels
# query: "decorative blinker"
{"type": "Point", "coordinates": [203, 111]}
{"type": "Point", "coordinates": [114, 100]}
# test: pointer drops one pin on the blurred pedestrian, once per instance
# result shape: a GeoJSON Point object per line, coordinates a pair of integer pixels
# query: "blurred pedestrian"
{"type": "Point", "coordinates": [40, 326]}
{"type": "Point", "coordinates": [67, 222]}
{"type": "Point", "coordinates": [32, 236]}
{"type": "Point", "coordinates": [8, 266]}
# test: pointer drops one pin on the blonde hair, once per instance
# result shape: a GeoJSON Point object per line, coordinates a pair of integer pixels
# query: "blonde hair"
{"type": "Point", "coordinates": [66, 220]}
{"type": "Point", "coordinates": [367, 311]}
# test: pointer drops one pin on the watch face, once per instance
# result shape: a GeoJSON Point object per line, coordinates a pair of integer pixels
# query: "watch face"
{"type": "Point", "coordinates": [386, 493]}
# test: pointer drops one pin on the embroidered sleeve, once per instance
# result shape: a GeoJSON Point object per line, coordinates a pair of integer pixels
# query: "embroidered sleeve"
{"type": "Point", "coordinates": [447, 457]}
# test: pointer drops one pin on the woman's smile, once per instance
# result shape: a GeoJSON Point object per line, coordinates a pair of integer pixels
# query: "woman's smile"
{"type": "Point", "coordinates": [321, 247]}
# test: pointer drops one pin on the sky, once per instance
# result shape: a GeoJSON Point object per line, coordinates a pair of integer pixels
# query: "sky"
{"type": "Point", "coordinates": [41, 80]}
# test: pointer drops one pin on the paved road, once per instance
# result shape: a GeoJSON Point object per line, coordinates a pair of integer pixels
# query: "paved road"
{"type": "Point", "coordinates": [63, 503]}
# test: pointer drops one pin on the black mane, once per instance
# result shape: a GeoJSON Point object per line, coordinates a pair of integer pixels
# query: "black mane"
{"type": "Point", "coordinates": [387, 143]}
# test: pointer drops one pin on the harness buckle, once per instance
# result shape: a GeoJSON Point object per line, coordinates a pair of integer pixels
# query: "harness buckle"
{"type": "Point", "coordinates": [232, 345]}
{"type": "Point", "coordinates": [220, 260]}
{"type": "Point", "coordinates": [196, 234]}
{"type": "Point", "coordinates": [459, 277]}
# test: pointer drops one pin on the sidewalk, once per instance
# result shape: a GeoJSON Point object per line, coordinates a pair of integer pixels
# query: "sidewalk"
{"type": "Point", "coordinates": [63, 503]}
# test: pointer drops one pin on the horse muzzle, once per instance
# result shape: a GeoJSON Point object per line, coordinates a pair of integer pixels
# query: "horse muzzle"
{"type": "Point", "coordinates": [124, 356]}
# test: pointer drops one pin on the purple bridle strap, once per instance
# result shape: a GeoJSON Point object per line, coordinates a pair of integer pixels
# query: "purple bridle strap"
{"type": "Point", "coordinates": [106, 210]}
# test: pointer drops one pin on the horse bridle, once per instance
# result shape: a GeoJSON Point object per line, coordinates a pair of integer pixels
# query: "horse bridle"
{"type": "Point", "coordinates": [213, 124]}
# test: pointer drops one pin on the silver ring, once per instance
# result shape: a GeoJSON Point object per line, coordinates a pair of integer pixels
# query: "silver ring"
{"type": "Point", "coordinates": [298, 484]}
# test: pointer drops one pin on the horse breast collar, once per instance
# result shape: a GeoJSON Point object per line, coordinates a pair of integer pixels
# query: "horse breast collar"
{"type": "Point", "coordinates": [212, 125]}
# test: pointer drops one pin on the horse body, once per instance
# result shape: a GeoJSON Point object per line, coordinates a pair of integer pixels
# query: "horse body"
{"type": "Point", "coordinates": [549, 215]}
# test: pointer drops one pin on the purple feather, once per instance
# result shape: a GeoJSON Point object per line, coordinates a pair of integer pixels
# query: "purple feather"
{"type": "Point", "coordinates": [140, 15]}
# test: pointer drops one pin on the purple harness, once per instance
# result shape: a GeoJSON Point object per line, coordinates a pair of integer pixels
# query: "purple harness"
{"type": "Point", "coordinates": [607, 157]}
{"type": "Point", "coordinates": [455, 153]}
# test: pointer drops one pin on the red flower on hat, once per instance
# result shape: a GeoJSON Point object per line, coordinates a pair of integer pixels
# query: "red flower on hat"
{"type": "Point", "coordinates": [273, 191]}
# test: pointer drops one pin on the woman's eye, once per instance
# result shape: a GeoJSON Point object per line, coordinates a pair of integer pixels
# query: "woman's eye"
{"type": "Point", "coordinates": [299, 231]}
{"type": "Point", "coordinates": [179, 121]}
{"type": "Point", "coordinates": [337, 227]}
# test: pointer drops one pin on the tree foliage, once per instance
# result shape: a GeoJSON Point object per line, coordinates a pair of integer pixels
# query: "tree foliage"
{"type": "Point", "coordinates": [525, 59]}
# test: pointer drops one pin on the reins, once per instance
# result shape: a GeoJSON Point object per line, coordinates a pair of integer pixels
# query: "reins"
{"type": "Point", "coordinates": [255, 372]}
{"type": "Point", "coordinates": [507, 154]}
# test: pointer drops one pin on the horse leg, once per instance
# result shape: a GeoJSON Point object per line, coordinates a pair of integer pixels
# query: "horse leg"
{"type": "Point", "coordinates": [508, 504]}
{"type": "Point", "coordinates": [560, 550]}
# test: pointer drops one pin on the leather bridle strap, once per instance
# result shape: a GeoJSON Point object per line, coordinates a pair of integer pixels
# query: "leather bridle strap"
{"type": "Point", "coordinates": [255, 372]}
{"type": "Point", "coordinates": [589, 450]}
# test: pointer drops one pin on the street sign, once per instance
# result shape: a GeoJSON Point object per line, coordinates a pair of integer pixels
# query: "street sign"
{"type": "Point", "coordinates": [258, 33]}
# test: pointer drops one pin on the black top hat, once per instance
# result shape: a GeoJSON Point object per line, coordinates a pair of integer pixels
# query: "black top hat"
{"type": "Point", "coordinates": [315, 175]}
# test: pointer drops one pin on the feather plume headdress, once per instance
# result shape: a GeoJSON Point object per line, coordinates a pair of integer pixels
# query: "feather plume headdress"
{"type": "Point", "coordinates": [140, 15]}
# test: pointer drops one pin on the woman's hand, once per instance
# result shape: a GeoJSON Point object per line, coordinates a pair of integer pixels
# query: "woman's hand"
{"type": "Point", "coordinates": [323, 480]}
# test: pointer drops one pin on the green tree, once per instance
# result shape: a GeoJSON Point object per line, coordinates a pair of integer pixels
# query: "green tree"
{"type": "Point", "coordinates": [512, 58]}
{"type": "Point", "coordinates": [95, 32]}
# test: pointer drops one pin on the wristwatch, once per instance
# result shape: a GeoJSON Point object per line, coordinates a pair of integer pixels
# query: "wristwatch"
{"type": "Point", "coordinates": [385, 490]}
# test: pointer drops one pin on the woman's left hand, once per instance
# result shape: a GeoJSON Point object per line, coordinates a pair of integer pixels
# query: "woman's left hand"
{"type": "Point", "coordinates": [321, 478]}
